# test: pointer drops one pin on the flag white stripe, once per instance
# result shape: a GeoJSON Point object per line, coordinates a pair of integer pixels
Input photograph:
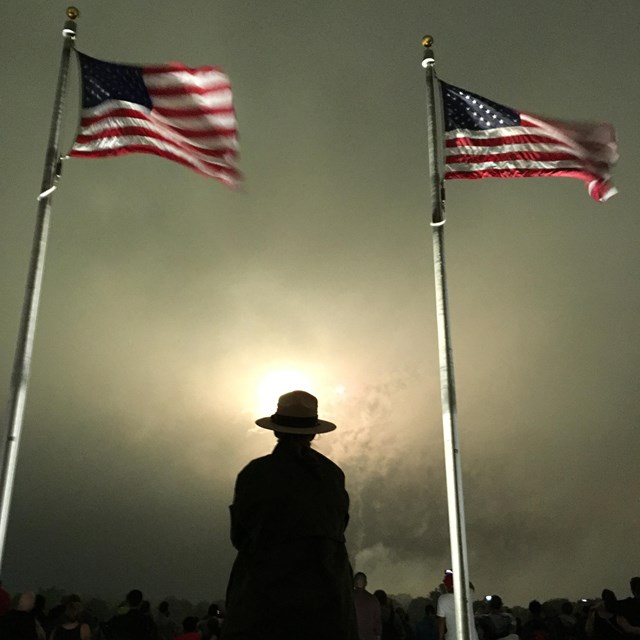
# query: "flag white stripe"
{"type": "Point", "coordinates": [490, 133]}
{"type": "Point", "coordinates": [513, 164]}
{"type": "Point", "coordinates": [196, 123]}
{"type": "Point", "coordinates": [112, 143]}
{"type": "Point", "coordinates": [535, 147]}
{"type": "Point", "coordinates": [97, 128]}
{"type": "Point", "coordinates": [109, 105]}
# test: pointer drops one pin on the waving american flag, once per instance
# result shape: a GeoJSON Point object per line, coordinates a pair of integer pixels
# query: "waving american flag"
{"type": "Point", "coordinates": [485, 139]}
{"type": "Point", "coordinates": [169, 110]}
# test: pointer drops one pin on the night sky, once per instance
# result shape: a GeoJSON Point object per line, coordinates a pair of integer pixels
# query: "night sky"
{"type": "Point", "coordinates": [174, 310]}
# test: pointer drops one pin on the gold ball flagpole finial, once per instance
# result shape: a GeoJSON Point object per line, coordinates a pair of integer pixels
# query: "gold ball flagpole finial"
{"type": "Point", "coordinates": [428, 57]}
{"type": "Point", "coordinates": [73, 13]}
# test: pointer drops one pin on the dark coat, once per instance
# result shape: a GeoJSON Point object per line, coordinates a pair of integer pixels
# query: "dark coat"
{"type": "Point", "coordinates": [291, 578]}
{"type": "Point", "coordinates": [18, 625]}
{"type": "Point", "coordinates": [132, 625]}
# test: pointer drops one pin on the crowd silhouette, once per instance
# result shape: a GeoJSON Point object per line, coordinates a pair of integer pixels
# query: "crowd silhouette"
{"type": "Point", "coordinates": [25, 616]}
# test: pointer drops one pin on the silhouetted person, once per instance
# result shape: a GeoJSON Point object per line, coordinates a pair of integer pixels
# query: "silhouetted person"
{"type": "Point", "coordinates": [497, 623]}
{"type": "Point", "coordinates": [446, 611]}
{"type": "Point", "coordinates": [39, 613]}
{"type": "Point", "coordinates": [291, 579]}
{"type": "Point", "coordinates": [407, 629]}
{"type": "Point", "coordinates": [367, 609]}
{"type": "Point", "coordinates": [71, 628]}
{"type": "Point", "coordinates": [56, 613]}
{"type": "Point", "coordinates": [427, 628]}
{"type": "Point", "coordinates": [189, 629]}
{"type": "Point", "coordinates": [392, 628]}
{"type": "Point", "coordinates": [210, 625]}
{"type": "Point", "coordinates": [603, 623]}
{"type": "Point", "coordinates": [536, 627]}
{"type": "Point", "coordinates": [133, 624]}
{"type": "Point", "coordinates": [566, 624]}
{"type": "Point", "coordinates": [167, 628]}
{"type": "Point", "coordinates": [20, 623]}
{"type": "Point", "coordinates": [630, 607]}
{"type": "Point", "coordinates": [582, 615]}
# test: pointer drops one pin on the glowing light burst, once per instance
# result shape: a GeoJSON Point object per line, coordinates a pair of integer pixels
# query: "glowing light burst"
{"type": "Point", "coordinates": [277, 382]}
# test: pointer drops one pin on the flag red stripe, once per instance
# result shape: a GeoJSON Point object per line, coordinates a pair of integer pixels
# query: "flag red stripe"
{"type": "Point", "coordinates": [521, 173]}
{"type": "Point", "coordinates": [195, 134]}
{"type": "Point", "coordinates": [216, 169]}
{"type": "Point", "coordinates": [533, 156]}
{"type": "Point", "coordinates": [186, 90]}
{"type": "Point", "coordinates": [598, 187]}
{"type": "Point", "coordinates": [196, 110]}
{"type": "Point", "coordinates": [126, 112]}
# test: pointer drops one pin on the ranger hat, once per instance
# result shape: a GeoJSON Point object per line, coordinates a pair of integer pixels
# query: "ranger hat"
{"type": "Point", "coordinates": [297, 412]}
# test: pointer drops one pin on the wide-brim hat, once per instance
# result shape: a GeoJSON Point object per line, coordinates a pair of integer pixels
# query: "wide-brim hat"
{"type": "Point", "coordinates": [297, 412]}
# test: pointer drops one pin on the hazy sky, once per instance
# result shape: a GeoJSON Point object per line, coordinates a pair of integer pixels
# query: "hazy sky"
{"type": "Point", "coordinates": [171, 305]}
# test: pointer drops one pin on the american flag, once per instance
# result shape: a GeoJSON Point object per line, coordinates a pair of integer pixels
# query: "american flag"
{"type": "Point", "coordinates": [169, 110]}
{"type": "Point", "coordinates": [485, 139]}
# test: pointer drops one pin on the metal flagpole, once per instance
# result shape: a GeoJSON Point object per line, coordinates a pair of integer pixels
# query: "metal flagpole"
{"type": "Point", "coordinates": [24, 348]}
{"type": "Point", "coordinates": [457, 535]}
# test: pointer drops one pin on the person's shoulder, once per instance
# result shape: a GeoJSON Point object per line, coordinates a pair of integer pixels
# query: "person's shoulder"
{"type": "Point", "coordinates": [256, 464]}
{"type": "Point", "coordinates": [630, 603]}
{"type": "Point", "coordinates": [327, 462]}
{"type": "Point", "coordinates": [365, 596]}
{"type": "Point", "coordinates": [371, 597]}
{"type": "Point", "coordinates": [277, 459]}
